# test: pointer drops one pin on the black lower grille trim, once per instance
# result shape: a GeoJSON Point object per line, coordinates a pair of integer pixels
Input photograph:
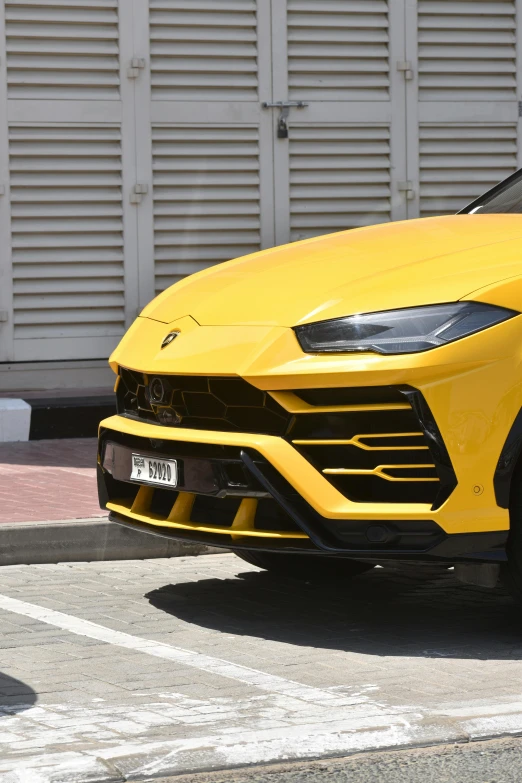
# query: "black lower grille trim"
{"type": "Point", "coordinates": [284, 508]}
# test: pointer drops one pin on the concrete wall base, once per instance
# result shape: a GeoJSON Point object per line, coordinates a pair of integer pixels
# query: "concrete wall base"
{"type": "Point", "coordinates": [15, 420]}
{"type": "Point", "coordinates": [55, 375]}
{"type": "Point", "coordinates": [80, 540]}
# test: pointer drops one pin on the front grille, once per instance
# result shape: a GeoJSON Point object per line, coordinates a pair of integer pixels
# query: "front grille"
{"type": "Point", "coordinates": [201, 403]}
{"type": "Point", "coordinates": [368, 442]}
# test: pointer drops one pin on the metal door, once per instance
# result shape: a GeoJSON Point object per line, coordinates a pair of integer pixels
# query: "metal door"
{"type": "Point", "coordinates": [462, 102]}
{"type": "Point", "coordinates": [67, 151]}
{"type": "Point", "coordinates": [207, 135]}
{"type": "Point", "coordinates": [343, 164]}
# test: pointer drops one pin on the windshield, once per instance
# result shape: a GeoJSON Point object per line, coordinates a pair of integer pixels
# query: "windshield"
{"type": "Point", "coordinates": [502, 199]}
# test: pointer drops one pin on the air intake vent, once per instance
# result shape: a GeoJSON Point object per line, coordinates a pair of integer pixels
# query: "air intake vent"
{"type": "Point", "coordinates": [368, 395]}
{"type": "Point", "coordinates": [372, 448]}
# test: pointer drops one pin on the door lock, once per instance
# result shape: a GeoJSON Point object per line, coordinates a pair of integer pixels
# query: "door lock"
{"type": "Point", "coordinates": [285, 106]}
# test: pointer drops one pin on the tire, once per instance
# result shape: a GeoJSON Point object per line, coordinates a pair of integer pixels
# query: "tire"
{"type": "Point", "coordinates": [512, 570]}
{"type": "Point", "coordinates": [308, 568]}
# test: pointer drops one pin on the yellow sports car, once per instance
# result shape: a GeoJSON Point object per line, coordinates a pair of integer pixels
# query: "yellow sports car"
{"type": "Point", "coordinates": [325, 406]}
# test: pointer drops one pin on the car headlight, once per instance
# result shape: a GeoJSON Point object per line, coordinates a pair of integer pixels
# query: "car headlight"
{"type": "Point", "coordinates": [408, 330]}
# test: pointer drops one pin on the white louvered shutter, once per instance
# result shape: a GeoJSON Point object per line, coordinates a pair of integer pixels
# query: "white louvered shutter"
{"type": "Point", "coordinates": [206, 197]}
{"type": "Point", "coordinates": [459, 162]}
{"type": "Point", "coordinates": [69, 154]}
{"type": "Point", "coordinates": [463, 123]}
{"type": "Point", "coordinates": [467, 50]}
{"type": "Point", "coordinates": [203, 50]}
{"type": "Point", "coordinates": [67, 238]}
{"type": "Point", "coordinates": [62, 49]}
{"type": "Point", "coordinates": [210, 71]}
{"type": "Point", "coordinates": [338, 50]}
{"type": "Point", "coordinates": [339, 178]}
{"type": "Point", "coordinates": [335, 170]}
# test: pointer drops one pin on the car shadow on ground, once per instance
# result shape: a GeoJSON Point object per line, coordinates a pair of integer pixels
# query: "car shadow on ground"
{"type": "Point", "coordinates": [15, 696]}
{"type": "Point", "coordinates": [411, 611]}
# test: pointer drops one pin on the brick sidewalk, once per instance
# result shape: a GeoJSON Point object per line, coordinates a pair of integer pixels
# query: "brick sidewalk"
{"type": "Point", "coordinates": [48, 480]}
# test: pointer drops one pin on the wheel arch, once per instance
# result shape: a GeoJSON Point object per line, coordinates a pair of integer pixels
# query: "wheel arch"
{"type": "Point", "coordinates": [508, 461]}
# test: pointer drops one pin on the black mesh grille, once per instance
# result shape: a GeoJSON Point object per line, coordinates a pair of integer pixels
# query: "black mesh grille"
{"type": "Point", "coordinates": [202, 403]}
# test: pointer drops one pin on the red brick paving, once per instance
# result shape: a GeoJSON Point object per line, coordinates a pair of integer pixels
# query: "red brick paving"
{"type": "Point", "coordinates": [48, 480]}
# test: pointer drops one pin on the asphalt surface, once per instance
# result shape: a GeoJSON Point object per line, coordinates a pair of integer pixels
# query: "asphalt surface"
{"type": "Point", "coordinates": [496, 761]}
{"type": "Point", "coordinates": [130, 670]}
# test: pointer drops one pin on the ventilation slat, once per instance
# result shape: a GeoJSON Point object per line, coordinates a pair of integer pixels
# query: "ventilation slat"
{"type": "Point", "coordinates": [67, 242]}
{"type": "Point", "coordinates": [57, 50]}
{"type": "Point", "coordinates": [204, 51]}
{"type": "Point", "coordinates": [338, 50]}
{"type": "Point", "coordinates": [206, 197]}
{"type": "Point", "coordinates": [467, 50]}
{"type": "Point", "coordinates": [458, 162]}
{"type": "Point", "coordinates": [339, 178]}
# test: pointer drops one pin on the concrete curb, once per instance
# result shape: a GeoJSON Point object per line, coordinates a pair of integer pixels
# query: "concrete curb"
{"type": "Point", "coordinates": [80, 540]}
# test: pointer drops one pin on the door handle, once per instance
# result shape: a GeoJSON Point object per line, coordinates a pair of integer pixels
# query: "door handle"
{"type": "Point", "coordinates": [284, 106]}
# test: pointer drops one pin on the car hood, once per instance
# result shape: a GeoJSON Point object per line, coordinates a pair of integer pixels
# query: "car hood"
{"type": "Point", "coordinates": [381, 267]}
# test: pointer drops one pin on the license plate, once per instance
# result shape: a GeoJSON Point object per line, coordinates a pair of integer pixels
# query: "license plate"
{"type": "Point", "coordinates": [154, 471]}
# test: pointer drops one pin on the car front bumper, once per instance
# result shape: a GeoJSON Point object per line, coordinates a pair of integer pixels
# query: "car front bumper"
{"type": "Point", "coordinates": [280, 478]}
{"type": "Point", "coordinates": [469, 387]}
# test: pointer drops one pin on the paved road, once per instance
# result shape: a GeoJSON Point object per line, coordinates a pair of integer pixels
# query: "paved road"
{"type": "Point", "coordinates": [496, 761]}
{"type": "Point", "coordinates": [124, 670]}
